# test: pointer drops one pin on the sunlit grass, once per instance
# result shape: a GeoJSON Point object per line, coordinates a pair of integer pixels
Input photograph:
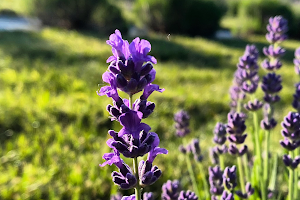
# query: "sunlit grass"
{"type": "Point", "coordinates": [53, 126]}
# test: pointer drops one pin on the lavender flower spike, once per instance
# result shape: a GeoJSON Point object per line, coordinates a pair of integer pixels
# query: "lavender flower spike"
{"type": "Point", "coordinates": [182, 121]}
{"type": "Point", "coordinates": [170, 190]}
{"type": "Point", "coordinates": [148, 196]}
{"type": "Point", "coordinates": [187, 195]}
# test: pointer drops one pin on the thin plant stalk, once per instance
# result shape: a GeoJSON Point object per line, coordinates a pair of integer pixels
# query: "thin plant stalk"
{"type": "Point", "coordinates": [296, 176]}
{"type": "Point", "coordinates": [241, 173]}
{"type": "Point", "coordinates": [221, 160]}
{"type": "Point", "coordinates": [266, 160]}
{"type": "Point", "coordinates": [246, 167]}
{"type": "Point", "coordinates": [137, 188]}
{"type": "Point", "coordinates": [191, 172]}
{"type": "Point", "coordinates": [291, 180]}
{"type": "Point", "coordinates": [206, 188]}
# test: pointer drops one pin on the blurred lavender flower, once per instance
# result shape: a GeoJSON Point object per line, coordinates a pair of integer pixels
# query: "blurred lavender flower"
{"type": "Point", "coordinates": [236, 95]}
{"type": "Point", "coordinates": [216, 181]}
{"type": "Point", "coordinates": [296, 101]}
{"type": "Point", "coordinates": [220, 133]}
{"type": "Point", "coordinates": [246, 75]}
{"type": "Point", "coordinates": [271, 85]}
{"type": "Point", "coordinates": [193, 148]}
{"type": "Point", "coordinates": [148, 196]}
{"type": "Point", "coordinates": [297, 61]}
{"type": "Point", "coordinates": [277, 29]}
{"type": "Point", "coordinates": [268, 122]}
{"type": "Point", "coordinates": [253, 105]}
{"type": "Point", "coordinates": [227, 196]}
{"type": "Point", "coordinates": [170, 190]}
{"type": "Point", "coordinates": [118, 196]}
{"type": "Point", "coordinates": [182, 122]}
{"type": "Point", "coordinates": [290, 162]}
{"type": "Point", "coordinates": [235, 128]}
{"type": "Point", "coordinates": [187, 195]}
{"type": "Point", "coordinates": [291, 134]}
{"type": "Point", "coordinates": [229, 178]}
{"type": "Point", "coordinates": [131, 197]}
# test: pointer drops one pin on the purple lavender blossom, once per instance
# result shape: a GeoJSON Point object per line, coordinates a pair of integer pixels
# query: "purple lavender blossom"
{"type": "Point", "coordinates": [170, 190]}
{"type": "Point", "coordinates": [290, 162]}
{"type": "Point", "coordinates": [220, 133]}
{"type": "Point", "coordinates": [297, 61]}
{"type": "Point", "coordinates": [194, 148]}
{"type": "Point", "coordinates": [249, 192]}
{"type": "Point", "coordinates": [229, 178]}
{"type": "Point", "coordinates": [296, 101]}
{"type": "Point", "coordinates": [236, 95]}
{"type": "Point", "coordinates": [148, 196]}
{"type": "Point", "coordinates": [129, 73]}
{"type": "Point", "coordinates": [187, 195]}
{"type": "Point", "coordinates": [118, 196]}
{"type": "Point", "coordinates": [227, 196]}
{"type": "Point", "coordinates": [131, 197]}
{"type": "Point", "coordinates": [216, 181]}
{"type": "Point", "coordinates": [127, 70]}
{"type": "Point", "coordinates": [148, 173]}
{"type": "Point", "coordinates": [253, 106]}
{"type": "Point", "coordinates": [235, 128]}
{"type": "Point", "coordinates": [277, 29]}
{"type": "Point", "coordinates": [182, 121]}
{"type": "Point", "coordinates": [271, 85]}
{"type": "Point", "coordinates": [125, 178]}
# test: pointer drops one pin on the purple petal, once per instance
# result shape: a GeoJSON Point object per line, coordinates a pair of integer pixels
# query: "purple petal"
{"type": "Point", "coordinates": [154, 152]}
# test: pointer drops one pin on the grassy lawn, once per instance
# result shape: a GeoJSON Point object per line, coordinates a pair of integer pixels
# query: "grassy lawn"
{"type": "Point", "coordinates": [53, 126]}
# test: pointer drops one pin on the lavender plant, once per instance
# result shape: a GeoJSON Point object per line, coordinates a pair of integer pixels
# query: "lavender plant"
{"type": "Point", "coordinates": [131, 71]}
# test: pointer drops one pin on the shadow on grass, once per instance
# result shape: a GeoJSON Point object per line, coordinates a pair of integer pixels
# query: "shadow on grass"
{"type": "Point", "coordinates": [31, 46]}
{"type": "Point", "coordinates": [241, 44]}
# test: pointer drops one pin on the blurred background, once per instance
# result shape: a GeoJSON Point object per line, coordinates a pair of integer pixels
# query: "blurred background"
{"type": "Point", "coordinates": [53, 126]}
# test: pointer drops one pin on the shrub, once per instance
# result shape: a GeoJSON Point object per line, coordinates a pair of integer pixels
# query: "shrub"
{"type": "Point", "coordinates": [189, 17]}
{"type": "Point", "coordinates": [77, 13]}
{"type": "Point", "coordinates": [253, 15]}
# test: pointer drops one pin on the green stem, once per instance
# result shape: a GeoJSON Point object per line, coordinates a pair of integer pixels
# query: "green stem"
{"type": "Point", "coordinates": [246, 167]}
{"type": "Point", "coordinates": [222, 164]}
{"type": "Point", "coordinates": [191, 172]}
{"type": "Point", "coordinates": [266, 160]}
{"type": "Point", "coordinates": [137, 188]}
{"type": "Point", "coordinates": [206, 188]}
{"type": "Point", "coordinates": [291, 180]}
{"type": "Point", "coordinates": [241, 173]}
{"type": "Point", "coordinates": [130, 101]}
{"type": "Point", "coordinates": [296, 152]}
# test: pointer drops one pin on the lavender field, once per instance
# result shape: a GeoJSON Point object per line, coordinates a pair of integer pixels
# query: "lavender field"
{"type": "Point", "coordinates": [89, 115]}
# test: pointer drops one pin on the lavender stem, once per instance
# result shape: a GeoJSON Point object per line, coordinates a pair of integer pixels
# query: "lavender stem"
{"type": "Point", "coordinates": [291, 180]}
{"type": "Point", "coordinates": [241, 173]}
{"type": "Point", "coordinates": [266, 160]}
{"type": "Point", "coordinates": [137, 189]}
{"type": "Point", "coordinates": [191, 172]}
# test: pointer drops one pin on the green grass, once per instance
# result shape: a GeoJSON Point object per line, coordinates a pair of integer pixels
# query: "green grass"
{"type": "Point", "coordinates": [53, 126]}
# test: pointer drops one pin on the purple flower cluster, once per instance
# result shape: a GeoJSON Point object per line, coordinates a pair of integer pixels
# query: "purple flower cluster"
{"type": "Point", "coordinates": [194, 148]}
{"type": "Point", "coordinates": [277, 29]}
{"type": "Point", "coordinates": [215, 181]}
{"type": "Point", "coordinates": [182, 122]}
{"type": "Point", "coordinates": [297, 61]}
{"type": "Point", "coordinates": [128, 73]}
{"type": "Point", "coordinates": [235, 128]}
{"type": "Point", "coordinates": [219, 139]}
{"type": "Point", "coordinates": [171, 190]}
{"type": "Point", "coordinates": [291, 134]}
{"type": "Point", "coordinates": [246, 76]}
